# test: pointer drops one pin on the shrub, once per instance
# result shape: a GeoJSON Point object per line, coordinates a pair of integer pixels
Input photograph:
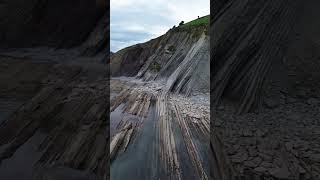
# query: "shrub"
{"type": "Point", "coordinates": [171, 48]}
{"type": "Point", "coordinates": [156, 67]}
{"type": "Point", "coordinates": [181, 23]}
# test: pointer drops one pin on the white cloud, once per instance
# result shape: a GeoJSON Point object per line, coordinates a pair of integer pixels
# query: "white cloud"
{"type": "Point", "coordinates": [151, 17]}
{"type": "Point", "coordinates": [187, 10]}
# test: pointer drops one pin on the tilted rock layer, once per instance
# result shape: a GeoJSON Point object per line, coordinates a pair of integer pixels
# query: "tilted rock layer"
{"type": "Point", "coordinates": [59, 24]}
{"type": "Point", "coordinates": [265, 60]}
{"type": "Point", "coordinates": [180, 58]}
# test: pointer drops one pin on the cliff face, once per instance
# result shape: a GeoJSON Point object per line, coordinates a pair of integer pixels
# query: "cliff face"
{"type": "Point", "coordinates": [180, 58]}
{"type": "Point", "coordinates": [160, 115]}
{"type": "Point", "coordinates": [265, 60]}
{"type": "Point", "coordinates": [61, 24]}
{"type": "Point", "coordinates": [252, 46]}
{"type": "Point", "coordinates": [54, 89]}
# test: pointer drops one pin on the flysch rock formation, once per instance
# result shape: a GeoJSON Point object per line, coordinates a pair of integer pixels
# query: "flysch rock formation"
{"type": "Point", "coordinates": [56, 30]}
{"type": "Point", "coordinates": [179, 58]}
{"type": "Point", "coordinates": [160, 107]}
{"type": "Point", "coordinates": [65, 105]}
{"type": "Point", "coordinates": [265, 89]}
{"type": "Point", "coordinates": [54, 89]}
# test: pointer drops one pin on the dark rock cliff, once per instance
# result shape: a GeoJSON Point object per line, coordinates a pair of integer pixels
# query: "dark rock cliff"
{"type": "Point", "coordinates": [59, 24]}
{"type": "Point", "coordinates": [265, 87]}
{"type": "Point", "coordinates": [252, 46]}
{"type": "Point", "coordinates": [179, 58]}
{"type": "Point", "coordinates": [54, 89]}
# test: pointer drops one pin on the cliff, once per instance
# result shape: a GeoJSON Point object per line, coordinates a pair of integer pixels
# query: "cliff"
{"type": "Point", "coordinates": [160, 106]}
{"type": "Point", "coordinates": [265, 89]}
{"type": "Point", "coordinates": [55, 24]}
{"type": "Point", "coordinates": [54, 89]}
{"type": "Point", "coordinates": [180, 58]}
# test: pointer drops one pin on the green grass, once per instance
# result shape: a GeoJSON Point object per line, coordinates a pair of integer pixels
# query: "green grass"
{"type": "Point", "coordinates": [197, 22]}
{"type": "Point", "coordinates": [172, 48]}
{"type": "Point", "coordinates": [156, 67]}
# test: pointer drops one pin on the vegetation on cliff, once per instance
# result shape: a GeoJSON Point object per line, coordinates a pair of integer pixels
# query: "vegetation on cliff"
{"type": "Point", "coordinates": [202, 21]}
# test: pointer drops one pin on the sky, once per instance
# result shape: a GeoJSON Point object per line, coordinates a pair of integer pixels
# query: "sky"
{"type": "Point", "coordinates": [136, 21]}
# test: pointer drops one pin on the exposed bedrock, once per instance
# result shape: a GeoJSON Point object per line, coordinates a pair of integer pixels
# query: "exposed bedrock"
{"type": "Point", "coordinates": [265, 89]}
{"type": "Point", "coordinates": [54, 89]}
{"type": "Point", "coordinates": [260, 48]}
{"type": "Point", "coordinates": [180, 59]}
{"type": "Point", "coordinates": [81, 25]}
{"type": "Point", "coordinates": [175, 139]}
{"type": "Point", "coordinates": [60, 128]}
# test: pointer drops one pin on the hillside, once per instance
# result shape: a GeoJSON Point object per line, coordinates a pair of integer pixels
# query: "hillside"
{"type": "Point", "coordinates": [160, 104]}
{"type": "Point", "coordinates": [201, 21]}
{"type": "Point", "coordinates": [177, 57]}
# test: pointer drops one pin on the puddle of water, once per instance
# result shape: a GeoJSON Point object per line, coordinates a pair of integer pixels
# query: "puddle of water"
{"type": "Point", "coordinates": [141, 159]}
{"type": "Point", "coordinates": [115, 118]}
{"type": "Point", "coordinates": [20, 165]}
{"type": "Point", "coordinates": [113, 95]}
{"type": "Point", "coordinates": [202, 145]}
{"type": "Point", "coordinates": [187, 168]}
{"type": "Point", "coordinates": [117, 115]}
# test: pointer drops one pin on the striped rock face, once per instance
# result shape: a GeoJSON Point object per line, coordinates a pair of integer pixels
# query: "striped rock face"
{"type": "Point", "coordinates": [160, 108]}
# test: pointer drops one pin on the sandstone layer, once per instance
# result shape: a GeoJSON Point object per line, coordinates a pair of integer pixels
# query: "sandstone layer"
{"type": "Point", "coordinates": [265, 89]}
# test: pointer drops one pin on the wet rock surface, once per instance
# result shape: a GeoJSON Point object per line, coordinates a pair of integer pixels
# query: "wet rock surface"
{"type": "Point", "coordinates": [66, 104]}
{"type": "Point", "coordinates": [171, 130]}
{"type": "Point", "coordinates": [165, 97]}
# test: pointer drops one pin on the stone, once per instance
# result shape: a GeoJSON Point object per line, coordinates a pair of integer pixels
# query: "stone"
{"type": "Point", "coordinates": [261, 133]}
{"type": "Point", "coordinates": [253, 163]}
{"type": "Point", "coordinates": [275, 145]}
{"type": "Point", "coordinates": [313, 101]}
{"type": "Point", "coordinates": [252, 152]}
{"type": "Point", "coordinates": [301, 170]}
{"type": "Point", "coordinates": [266, 164]}
{"type": "Point", "coordinates": [301, 93]}
{"type": "Point", "coordinates": [239, 157]}
{"type": "Point", "coordinates": [233, 149]}
{"type": "Point", "coordinates": [288, 146]}
{"type": "Point", "coordinates": [278, 162]}
{"type": "Point", "coordinates": [247, 133]}
{"type": "Point", "coordinates": [250, 164]}
{"type": "Point", "coordinates": [271, 103]}
{"type": "Point", "coordinates": [315, 157]}
{"type": "Point", "coordinates": [265, 157]}
{"type": "Point", "coordinates": [293, 116]}
{"type": "Point", "coordinates": [280, 173]}
{"type": "Point", "coordinates": [221, 107]}
{"type": "Point", "coordinates": [291, 100]}
{"type": "Point", "coordinates": [261, 169]}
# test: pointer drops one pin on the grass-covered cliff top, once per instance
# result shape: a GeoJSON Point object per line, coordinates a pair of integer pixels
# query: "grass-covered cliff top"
{"type": "Point", "coordinates": [189, 26]}
{"type": "Point", "coordinates": [197, 22]}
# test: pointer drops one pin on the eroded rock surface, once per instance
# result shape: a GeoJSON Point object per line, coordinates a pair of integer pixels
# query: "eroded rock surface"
{"type": "Point", "coordinates": [67, 106]}
{"type": "Point", "coordinates": [172, 131]}
{"type": "Point", "coordinates": [265, 89]}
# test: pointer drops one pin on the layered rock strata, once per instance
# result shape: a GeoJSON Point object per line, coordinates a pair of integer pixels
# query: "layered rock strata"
{"type": "Point", "coordinates": [63, 116]}
{"type": "Point", "coordinates": [265, 87]}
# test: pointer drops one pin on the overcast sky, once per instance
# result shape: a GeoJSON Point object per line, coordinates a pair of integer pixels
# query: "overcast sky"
{"type": "Point", "coordinates": [135, 21]}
